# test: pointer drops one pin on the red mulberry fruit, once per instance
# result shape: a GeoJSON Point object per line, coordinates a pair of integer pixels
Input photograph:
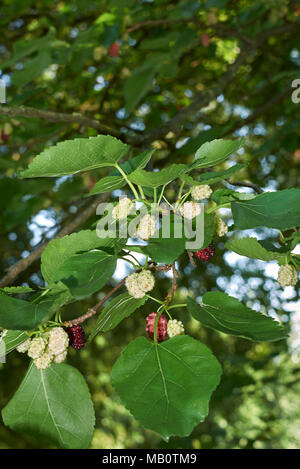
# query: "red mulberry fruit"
{"type": "Point", "coordinates": [113, 51]}
{"type": "Point", "coordinates": [161, 327]}
{"type": "Point", "coordinates": [76, 336]}
{"type": "Point", "coordinates": [206, 253]}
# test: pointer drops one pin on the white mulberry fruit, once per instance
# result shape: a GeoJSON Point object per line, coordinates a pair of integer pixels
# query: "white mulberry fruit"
{"type": "Point", "coordinates": [60, 357]}
{"type": "Point", "coordinates": [174, 328]}
{"type": "Point", "coordinates": [147, 227]}
{"type": "Point", "coordinates": [190, 210]}
{"type": "Point", "coordinates": [287, 275]}
{"type": "Point", "coordinates": [221, 227]}
{"type": "Point", "coordinates": [138, 284]}
{"type": "Point", "coordinates": [124, 208]}
{"type": "Point", "coordinates": [37, 347]}
{"type": "Point", "coordinates": [24, 346]}
{"type": "Point", "coordinates": [44, 361]}
{"type": "Point", "coordinates": [58, 340]}
{"type": "Point", "coordinates": [201, 192]}
{"type": "Point", "coordinates": [146, 280]}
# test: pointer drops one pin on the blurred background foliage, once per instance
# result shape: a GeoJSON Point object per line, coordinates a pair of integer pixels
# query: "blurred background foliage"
{"type": "Point", "coordinates": [57, 56]}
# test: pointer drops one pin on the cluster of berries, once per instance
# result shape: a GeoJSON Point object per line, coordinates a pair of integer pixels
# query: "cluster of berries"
{"type": "Point", "coordinates": [193, 209]}
{"type": "Point", "coordinates": [164, 327]}
{"type": "Point", "coordinates": [139, 283]}
{"type": "Point", "coordinates": [50, 346]}
{"type": "Point", "coordinates": [287, 275]}
{"type": "Point", "coordinates": [206, 254]}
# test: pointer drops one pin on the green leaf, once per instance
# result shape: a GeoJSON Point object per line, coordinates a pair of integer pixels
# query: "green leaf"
{"type": "Point", "coordinates": [107, 184]}
{"type": "Point", "coordinates": [165, 250]}
{"type": "Point", "coordinates": [20, 314]}
{"type": "Point", "coordinates": [209, 230]}
{"type": "Point", "coordinates": [55, 404]}
{"type": "Point", "coordinates": [138, 84]}
{"type": "Point", "coordinates": [157, 178]}
{"type": "Point", "coordinates": [60, 249]}
{"type": "Point", "coordinates": [9, 340]}
{"type": "Point", "coordinates": [279, 210]}
{"type": "Point", "coordinates": [32, 69]}
{"type": "Point", "coordinates": [25, 48]}
{"type": "Point", "coordinates": [213, 176]}
{"type": "Point", "coordinates": [16, 290]}
{"type": "Point", "coordinates": [138, 162]}
{"type": "Point", "coordinates": [252, 248]}
{"type": "Point", "coordinates": [86, 273]}
{"type": "Point", "coordinates": [75, 156]}
{"type": "Point", "coordinates": [118, 309]}
{"type": "Point", "coordinates": [224, 196]}
{"type": "Point", "coordinates": [167, 386]}
{"type": "Point", "coordinates": [214, 152]}
{"type": "Point", "coordinates": [192, 144]}
{"type": "Point", "coordinates": [224, 313]}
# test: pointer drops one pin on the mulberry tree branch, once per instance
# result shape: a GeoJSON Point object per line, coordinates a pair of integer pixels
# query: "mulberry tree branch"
{"type": "Point", "coordinates": [92, 311]}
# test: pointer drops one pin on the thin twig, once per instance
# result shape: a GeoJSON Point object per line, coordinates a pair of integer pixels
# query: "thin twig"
{"type": "Point", "coordinates": [92, 311]}
{"type": "Point", "coordinates": [191, 257]}
{"type": "Point", "coordinates": [53, 116]}
{"type": "Point", "coordinates": [171, 294]}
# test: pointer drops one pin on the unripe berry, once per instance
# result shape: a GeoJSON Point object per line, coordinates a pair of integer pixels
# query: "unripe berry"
{"type": "Point", "coordinates": [287, 275]}
{"type": "Point", "coordinates": [206, 253]}
{"type": "Point", "coordinates": [201, 192]}
{"type": "Point", "coordinates": [37, 347]}
{"type": "Point", "coordinates": [44, 361]}
{"type": "Point", "coordinates": [190, 210]}
{"type": "Point", "coordinates": [124, 208]}
{"type": "Point", "coordinates": [58, 340]}
{"type": "Point", "coordinates": [221, 227]}
{"type": "Point", "coordinates": [24, 346]}
{"type": "Point", "coordinates": [175, 328]}
{"type": "Point", "coordinates": [161, 327]}
{"type": "Point", "coordinates": [147, 227]}
{"type": "Point", "coordinates": [138, 284]}
{"type": "Point", "coordinates": [76, 336]}
{"type": "Point", "coordinates": [113, 50]}
{"type": "Point", "coordinates": [60, 357]}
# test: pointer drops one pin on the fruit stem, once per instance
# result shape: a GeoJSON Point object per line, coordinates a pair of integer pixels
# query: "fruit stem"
{"type": "Point", "coordinates": [177, 306]}
{"type": "Point", "coordinates": [127, 180]}
{"type": "Point", "coordinates": [154, 299]}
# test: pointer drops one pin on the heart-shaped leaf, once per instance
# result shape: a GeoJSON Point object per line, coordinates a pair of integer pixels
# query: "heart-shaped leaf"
{"type": "Point", "coordinates": [54, 403]}
{"type": "Point", "coordinates": [167, 386]}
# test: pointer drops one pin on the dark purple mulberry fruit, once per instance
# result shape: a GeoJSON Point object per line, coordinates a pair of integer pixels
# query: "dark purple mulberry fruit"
{"type": "Point", "coordinates": [76, 336]}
